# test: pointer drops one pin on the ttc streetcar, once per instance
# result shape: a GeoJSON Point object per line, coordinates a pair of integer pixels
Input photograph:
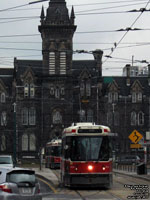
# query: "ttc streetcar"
{"type": "Point", "coordinates": [86, 156]}
{"type": "Point", "coordinates": [53, 154]}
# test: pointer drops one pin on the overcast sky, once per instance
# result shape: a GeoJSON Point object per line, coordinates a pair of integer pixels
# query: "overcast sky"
{"type": "Point", "coordinates": [98, 22]}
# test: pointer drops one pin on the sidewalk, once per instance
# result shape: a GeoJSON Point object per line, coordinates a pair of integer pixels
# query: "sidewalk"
{"type": "Point", "coordinates": [133, 174]}
{"type": "Point", "coordinates": [47, 174]}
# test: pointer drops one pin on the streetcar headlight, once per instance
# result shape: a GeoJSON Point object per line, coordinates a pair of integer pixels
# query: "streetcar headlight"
{"type": "Point", "coordinates": [103, 168]}
{"type": "Point", "coordinates": [90, 167]}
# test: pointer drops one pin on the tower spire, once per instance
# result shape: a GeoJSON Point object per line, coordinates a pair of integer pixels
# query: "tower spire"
{"type": "Point", "coordinates": [42, 15]}
{"type": "Point", "coordinates": [72, 17]}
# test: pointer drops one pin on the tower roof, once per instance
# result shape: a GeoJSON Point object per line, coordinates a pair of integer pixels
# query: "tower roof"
{"type": "Point", "coordinates": [57, 13]}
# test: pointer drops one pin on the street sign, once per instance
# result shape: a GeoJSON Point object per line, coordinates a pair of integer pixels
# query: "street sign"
{"type": "Point", "coordinates": [135, 146]}
{"type": "Point", "coordinates": [135, 136]}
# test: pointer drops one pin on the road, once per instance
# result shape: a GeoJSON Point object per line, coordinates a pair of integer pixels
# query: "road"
{"type": "Point", "coordinates": [124, 187]}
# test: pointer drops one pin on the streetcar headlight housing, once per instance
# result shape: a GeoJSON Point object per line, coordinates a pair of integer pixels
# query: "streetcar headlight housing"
{"type": "Point", "coordinates": [90, 167]}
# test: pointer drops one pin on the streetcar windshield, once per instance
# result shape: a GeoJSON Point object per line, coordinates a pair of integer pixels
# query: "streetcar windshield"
{"type": "Point", "coordinates": [89, 148]}
{"type": "Point", "coordinates": [54, 150]}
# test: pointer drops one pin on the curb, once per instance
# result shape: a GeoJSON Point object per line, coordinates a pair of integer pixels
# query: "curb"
{"type": "Point", "coordinates": [132, 175]}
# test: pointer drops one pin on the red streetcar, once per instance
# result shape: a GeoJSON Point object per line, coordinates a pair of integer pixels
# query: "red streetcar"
{"type": "Point", "coordinates": [53, 154]}
{"type": "Point", "coordinates": [86, 155]}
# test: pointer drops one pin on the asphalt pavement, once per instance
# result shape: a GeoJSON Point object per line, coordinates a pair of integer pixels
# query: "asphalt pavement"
{"type": "Point", "coordinates": [48, 174]}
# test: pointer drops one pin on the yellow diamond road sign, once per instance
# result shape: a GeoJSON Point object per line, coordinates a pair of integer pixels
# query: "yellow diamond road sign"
{"type": "Point", "coordinates": [135, 136]}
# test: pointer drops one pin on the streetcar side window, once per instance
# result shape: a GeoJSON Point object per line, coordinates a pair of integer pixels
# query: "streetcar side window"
{"type": "Point", "coordinates": [66, 147]}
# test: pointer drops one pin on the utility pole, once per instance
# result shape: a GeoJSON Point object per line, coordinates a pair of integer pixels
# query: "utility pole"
{"type": "Point", "coordinates": [14, 136]}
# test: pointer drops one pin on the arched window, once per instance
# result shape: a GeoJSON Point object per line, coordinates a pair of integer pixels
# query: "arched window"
{"type": "Point", "coordinates": [88, 88]}
{"type": "Point", "coordinates": [24, 142]}
{"type": "Point", "coordinates": [32, 116]}
{"type": "Point", "coordinates": [3, 97]}
{"type": "Point", "coordinates": [3, 143]}
{"type": "Point", "coordinates": [82, 116]}
{"type": "Point", "coordinates": [57, 118]}
{"type": "Point", "coordinates": [3, 119]}
{"type": "Point", "coordinates": [62, 62]}
{"type": "Point", "coordinates": [25, 116]}
{"type": "Point", "coordinates": [32, 90]}
{"type": "Point", "coordinates": [57, 93]}
{"type": "Point", "coordinates": [140, 118]}
{"type": "Point", "coordinates": [90, 115]}
{"type": "Point", "coordinates": [32, 143]}
{"type": "Point", "coordinates": [82, 88]}
{"type": "Point", "coordinates": [26, 90]}
{"type": "Point", "coordinates": [52, 63]}
{"type": "Point", "coordinates": [109, 97]}
{"type": "Point", "coordinates": [133, 118]}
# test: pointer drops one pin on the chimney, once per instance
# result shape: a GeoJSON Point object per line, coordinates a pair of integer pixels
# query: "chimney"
{"type": "Point", "coordinates": [98, 58]}
{"type": "Point", "coordinates": [128, 74]}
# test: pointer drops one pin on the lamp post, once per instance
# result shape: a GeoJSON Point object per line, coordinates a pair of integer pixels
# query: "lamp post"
{"type": "Point", "coordinates": [14, 135]}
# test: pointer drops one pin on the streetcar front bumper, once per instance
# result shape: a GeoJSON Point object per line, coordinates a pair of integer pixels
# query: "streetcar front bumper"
{"type": "Point", "coordinates": [92, 180]}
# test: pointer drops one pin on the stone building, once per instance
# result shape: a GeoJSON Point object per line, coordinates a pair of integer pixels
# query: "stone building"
{"type": "Point", "coordinates": [40, 98]}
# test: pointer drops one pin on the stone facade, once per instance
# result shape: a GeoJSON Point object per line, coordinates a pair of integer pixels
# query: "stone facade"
{"type": "Point", "coordinates": [52, 93]}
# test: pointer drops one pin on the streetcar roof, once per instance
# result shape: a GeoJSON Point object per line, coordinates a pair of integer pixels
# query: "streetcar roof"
{"type": "Point", "coordinates": [54, 142]}
{"type": "Point", "coordinates": [87, 128]}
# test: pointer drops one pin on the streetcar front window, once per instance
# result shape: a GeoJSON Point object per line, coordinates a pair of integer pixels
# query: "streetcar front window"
{"type": "Point", "coordinates": [55, 150]}
{"type": "Point", "coordinates": [90, 148]}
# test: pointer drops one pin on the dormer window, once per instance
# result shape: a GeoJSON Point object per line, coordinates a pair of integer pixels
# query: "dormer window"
{"type": "Point", "coordinates": [26, 90]}
{"type": "Point", "coordinates": [32, 90]}
{"type": "Point", "coordinates": [112, 97]}
{"type": "Point", "coordinates": [3, 97]}
{"type": "Point", "coordinates": [136, 97]}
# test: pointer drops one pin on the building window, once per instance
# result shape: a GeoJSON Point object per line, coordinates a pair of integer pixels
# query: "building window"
{"type": "Point", "coordinates": [25, 142]}
{"type": "Point", "coordinates": [133, 118]}
{"type": "Point", "coordinates": [3, 119]}
{"type": "Point", "coordinates": [112, 97]}
{"type": "Point", "coordinates": [140, 118]}
{"type": "Point", "coordinates": [52, 91]}
{"type": "Point", "coordinates": [3, 143]}
{"type": "Point", "coordinates": [32, 116]}
{"type": "Point", "coordinates": [29, 116]}
{"type": "Point", "coordinates": [136, 97]}
{"type": "Point", "coordinates": [32, 142]}
{"type": "Point", "coordinates": [25, 116]}
{"type": "Point", "coordinates": [57, 118]}
{"type": "Point", "coordinates": [52, 63]}
{"type": "Point", "coordinates": [26, 90]}
{"type": "Point", "coordinates": [62, 91]}
{"type": "Point", "coordinates": [62, 62]}
{"type": "Point", "coordinates": [3, 97]}
{"type": "Point", "coordinates": [90, 115]}
{"type": "Point", "coordinates": [88, 88]}
{"type": "Point", "coordinates": [57, 93]}
{"type": "Point", "coordinates": [82, 87]}
{"type": "Point", "coordinates": [28, 142]}
{"type": "Point", "coordinates": [82, 116]}
{"type": "Point", "coordinates": [109, 97]}
{"type": "Point", "coordinates": [32, 90]}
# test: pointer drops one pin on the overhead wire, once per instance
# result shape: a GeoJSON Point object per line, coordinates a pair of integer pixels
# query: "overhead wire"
{"type": "Point", "coordinates": [128, 30]}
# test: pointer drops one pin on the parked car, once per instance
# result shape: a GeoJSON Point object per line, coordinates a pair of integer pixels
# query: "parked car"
{"type": "Point", "coordinates": [128, 159]}
{"type": "Point", "coordinates": [6, 160]}
{"type": "Point", "coordinates": [18, 184]}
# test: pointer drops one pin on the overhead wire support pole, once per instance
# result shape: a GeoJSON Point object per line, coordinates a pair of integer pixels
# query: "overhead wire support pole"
{"type": "Point", "coordinates": [14, 137]}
